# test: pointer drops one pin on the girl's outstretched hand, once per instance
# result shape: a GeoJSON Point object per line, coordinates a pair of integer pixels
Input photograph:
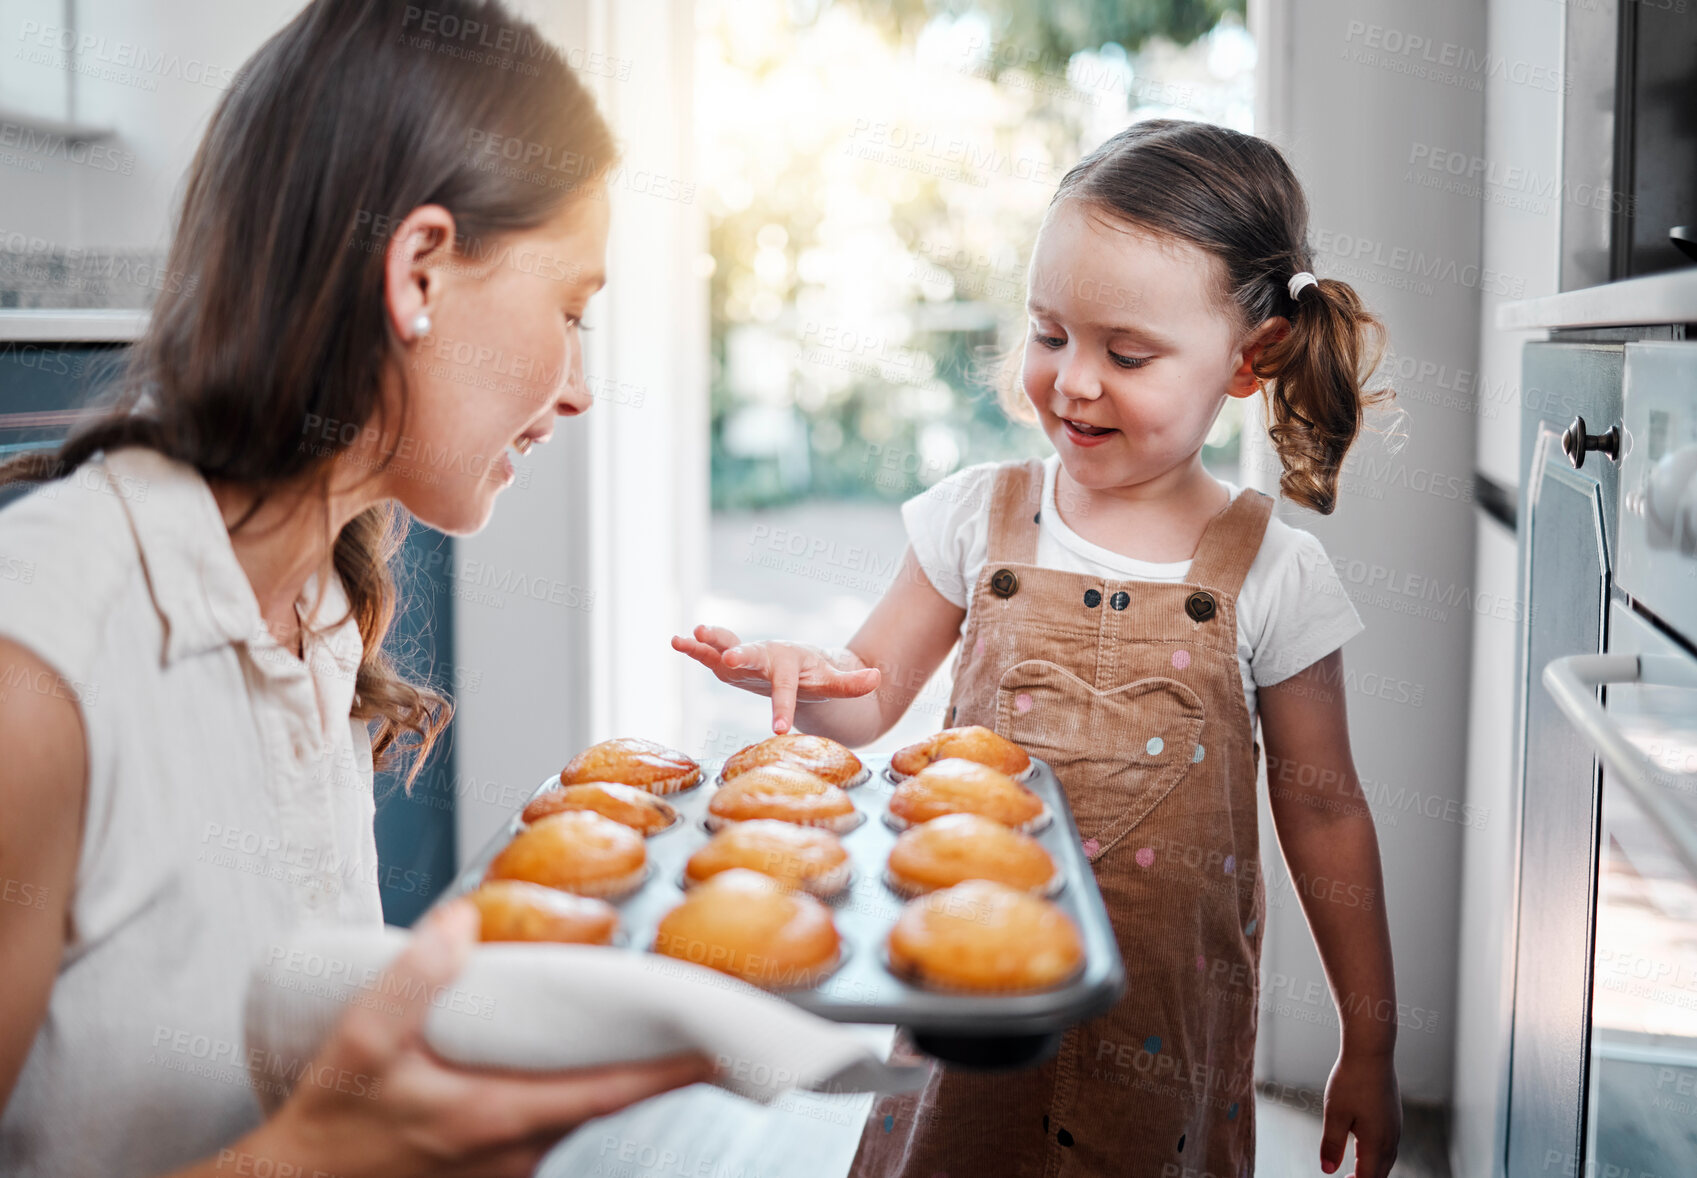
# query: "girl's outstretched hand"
{"type": "Point", "coordinates": [1362, 1098]}
{"type": "Point", "coordinates": [786, 671]}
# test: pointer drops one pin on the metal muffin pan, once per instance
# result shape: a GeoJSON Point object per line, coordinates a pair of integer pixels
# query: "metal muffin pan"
{"type": "Point", "coordinates": [862, 989]}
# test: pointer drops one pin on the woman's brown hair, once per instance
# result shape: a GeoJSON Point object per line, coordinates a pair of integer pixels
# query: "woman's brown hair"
{"type": "Point", "coordinates": [353, 115]}
{"type": "Point", "coordinates": [1234, 196]}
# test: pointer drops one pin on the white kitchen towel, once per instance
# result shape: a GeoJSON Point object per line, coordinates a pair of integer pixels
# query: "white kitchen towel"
{"type": "Point", "coordinates": [546, 1007]}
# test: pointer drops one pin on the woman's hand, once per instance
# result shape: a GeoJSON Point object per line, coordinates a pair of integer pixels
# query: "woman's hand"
{"type": "Point", "coordinates": [403, 1111]}
{"type": "Point", "coordinates": [1362, 1098]}
{"type": "Point", "coordinates": [786, 671]}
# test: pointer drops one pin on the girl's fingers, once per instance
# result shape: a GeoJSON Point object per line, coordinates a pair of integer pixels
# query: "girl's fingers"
{"type": "Point", "coordinates": [695, 650]}
{"type": "Point", "coordinates": [1333, 1139]}
{"type": "Point", "coordinates": [781, 670]}
{"type": "Point", "coordinates": [1370, 1158]}
{"type": "Point", "coordinates": [754, 659]}
{"type": "Point", "coordinates": [706, 655]}
{"type": "Point", "coordinates": [717, 637]}
{"type": "Point", "coordinates": [786, 673]}
{"type": "Point", "coordinates": [835, 684]}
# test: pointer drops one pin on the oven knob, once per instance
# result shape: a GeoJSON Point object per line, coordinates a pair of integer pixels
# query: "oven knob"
{"type": "Point", "coordinates": [1575, 442]}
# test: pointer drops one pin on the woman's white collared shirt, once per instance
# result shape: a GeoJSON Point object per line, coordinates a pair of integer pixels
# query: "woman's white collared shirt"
{"type": "Point", "coordinates": [229, 797]}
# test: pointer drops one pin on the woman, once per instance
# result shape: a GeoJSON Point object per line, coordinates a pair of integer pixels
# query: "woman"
{"type": "Point", "coordinates": [375, 308]}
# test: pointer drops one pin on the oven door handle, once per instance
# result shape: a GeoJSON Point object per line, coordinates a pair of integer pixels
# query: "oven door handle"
{"type": "Point", "coordinates": [1574, 679]}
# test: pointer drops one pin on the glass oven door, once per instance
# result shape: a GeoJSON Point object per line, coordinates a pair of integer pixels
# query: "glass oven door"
{"type": "Point", "coordinates": [1641, 1095]}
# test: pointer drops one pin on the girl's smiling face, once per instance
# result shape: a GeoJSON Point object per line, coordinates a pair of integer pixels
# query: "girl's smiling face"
{"type": "Point", "coordinates": [1130, 350]}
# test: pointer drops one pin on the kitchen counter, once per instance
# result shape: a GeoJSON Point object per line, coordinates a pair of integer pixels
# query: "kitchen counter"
{"type": "Point", "coordinates": [1654, 299]}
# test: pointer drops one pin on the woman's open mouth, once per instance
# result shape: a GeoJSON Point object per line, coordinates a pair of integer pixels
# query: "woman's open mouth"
{"type": "Point", "coordinates": [1081, 434]}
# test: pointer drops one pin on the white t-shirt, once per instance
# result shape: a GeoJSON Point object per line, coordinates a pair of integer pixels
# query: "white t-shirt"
{"type": "Point", "coordinates": [1291, 613]}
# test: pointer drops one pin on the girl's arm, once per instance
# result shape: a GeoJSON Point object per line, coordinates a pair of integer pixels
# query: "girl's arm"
{"type": "Point", "coordinates": [1330, 846]}
{"type": "Point", "coordinates": [854, 695]}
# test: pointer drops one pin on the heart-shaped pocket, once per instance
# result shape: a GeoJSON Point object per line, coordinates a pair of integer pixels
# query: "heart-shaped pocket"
{"type": "Point", "coordinates": [1117, 753]}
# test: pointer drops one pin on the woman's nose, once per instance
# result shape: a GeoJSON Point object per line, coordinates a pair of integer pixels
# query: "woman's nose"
{"type": "Point", "coordinates": [574, 397]}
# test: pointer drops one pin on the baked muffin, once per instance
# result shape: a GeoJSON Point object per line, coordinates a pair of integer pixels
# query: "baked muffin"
{"type": "Point", "coordinates": [625, 804]}
{"type": "Point", "coordinates": [819, 755]}
{"type": "Point", "coordinates": [984, 937]}
{"type": "Point", "coordinates": [575, 851]}
{"type": "Point", "coordinates": [784, 793]}
{"type": "Point", "coordinates": [629, 761]}
{"type": "Point", "coordinates": [513, 910]}
{"type": "Point", "coordinates": [796, 856]}
{"type": "Point", "coordinates": [972, 743]}
{"type": "Point", "coordinates": [957, 847]}
{"type": "Point", "coordinates": [750, 926]}
{"type": "Point", "coordinates": [954, 786]}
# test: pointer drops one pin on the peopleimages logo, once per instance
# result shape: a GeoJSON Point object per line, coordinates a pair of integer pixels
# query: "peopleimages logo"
{"type": "Point", "coordinates": [1416, 54]}
{"type": "Point", "coordinates": [52, 145]}
{"type": "Point", "coordinates": [1349, 248]}
{"type": "Point", "coordinates": [123, 62]}
{"type": "Point", "coordinates": [1508, 184]}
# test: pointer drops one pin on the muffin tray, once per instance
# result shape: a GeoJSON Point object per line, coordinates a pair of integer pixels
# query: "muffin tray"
{"type": "Point", "coordinates": [982, 1030]}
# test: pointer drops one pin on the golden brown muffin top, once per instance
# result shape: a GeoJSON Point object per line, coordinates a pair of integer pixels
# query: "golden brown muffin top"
{"type": "Point", "coordinates": [514, 910]}
{"type": "Point", "coordinates": [956, 786]}
{"type": "Point", "coordinates": [980, 935]}
{"type": "Point", "coordinates": [786, 852]}
{"type": "Point", "coordinates": [783, 792]}
{"type": "Point", "coordinates": [819, 755]}
{"type": "Point", "coordinates": [958, 847]}
{"type": "Point", "coordinates": [572, 845]}
{"type": "Point", "coordinates": [624, 804]}
{"type": "Point", "coordinates": [973, 742]}
{"type": "Point", "coordinates": [628, 760]}
{"type": "Point", "coordinates": [750, 926]}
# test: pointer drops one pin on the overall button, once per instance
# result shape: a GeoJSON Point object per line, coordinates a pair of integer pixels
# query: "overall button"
{"type": "Point", "coordinates": [1200, 605]}
{"type": "Point", "coordinates": [1092, 598]}
{"type": "Point", "coordinates": [1003, 583]}
{"type": "Point", "coordinates": [1120, 600]}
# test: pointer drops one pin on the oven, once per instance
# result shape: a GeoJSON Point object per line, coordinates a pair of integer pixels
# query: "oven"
{"type": "Point", "coordinates": [1626, 900]}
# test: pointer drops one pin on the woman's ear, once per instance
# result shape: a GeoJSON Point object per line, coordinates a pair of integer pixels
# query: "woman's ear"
{"type": "Point", "coordinates": [415, 269]}
{"type": "Point", "coordinates": [1244, 382]}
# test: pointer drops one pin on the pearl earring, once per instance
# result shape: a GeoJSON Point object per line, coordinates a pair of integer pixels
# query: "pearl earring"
{"type": "Point", "coordinates": [421, 325]}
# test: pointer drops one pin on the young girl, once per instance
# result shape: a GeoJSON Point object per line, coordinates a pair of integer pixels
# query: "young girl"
{"type": "Point", "coordinates": [1128, 618]}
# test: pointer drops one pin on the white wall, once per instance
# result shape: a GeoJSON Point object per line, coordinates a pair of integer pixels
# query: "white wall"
{"type": "Point", "coordinates": [180, 55]}
{"type": "Point", "coordinates": [1521, 236]}
{"type": "Point", "coordinates": [1353, 107]}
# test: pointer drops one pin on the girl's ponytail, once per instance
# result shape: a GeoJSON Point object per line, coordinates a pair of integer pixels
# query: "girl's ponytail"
{"type": "Point", "coordinates": [1314, 374]}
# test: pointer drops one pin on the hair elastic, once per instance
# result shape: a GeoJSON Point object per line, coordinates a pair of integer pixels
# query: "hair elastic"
{"type": "Point", "coordinates": [1301, 281]}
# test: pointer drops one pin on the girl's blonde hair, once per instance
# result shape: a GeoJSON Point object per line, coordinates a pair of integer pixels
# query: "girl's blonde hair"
{"type": "Point", "coordinates": [1235, 196]}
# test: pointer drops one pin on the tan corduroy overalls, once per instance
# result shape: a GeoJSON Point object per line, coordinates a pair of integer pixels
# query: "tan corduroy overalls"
{"type": "Point", "coordinates": [1130, 690]}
